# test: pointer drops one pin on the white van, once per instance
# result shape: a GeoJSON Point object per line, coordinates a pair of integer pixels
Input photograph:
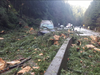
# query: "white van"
{"type": "Point", "coordinates": [46, 26]}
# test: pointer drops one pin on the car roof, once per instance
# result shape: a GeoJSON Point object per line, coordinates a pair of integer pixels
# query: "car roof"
{"type": "Point", "coordinates": [47, 21]}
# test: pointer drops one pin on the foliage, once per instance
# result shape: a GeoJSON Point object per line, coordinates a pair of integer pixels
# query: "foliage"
{"type": "Point", "coordinates": [3, 17]}
{"type": "Point", "coordinates": [85, 61]}
{"type": "Point", "coordinates": [20, 44]}
{"type": "Point", "coordinates": [31, 22]}
{"type": "Point", "coordinates": [92, 15]}
{"type": "Point", "coordinates": [8, 19]}
{"type": "Point", "coordinates": [57, 11]}
{"type": "Point", "coordinates": [13, 18]}
{"type": "Point", "coordinates": [78, 14]}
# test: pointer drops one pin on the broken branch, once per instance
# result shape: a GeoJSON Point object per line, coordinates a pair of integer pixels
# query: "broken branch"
{"type": "Point", "coordinates": [11, 67]}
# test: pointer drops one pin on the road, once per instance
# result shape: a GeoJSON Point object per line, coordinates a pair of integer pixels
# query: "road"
{"type": "Point", "coordinates": [86, 32]}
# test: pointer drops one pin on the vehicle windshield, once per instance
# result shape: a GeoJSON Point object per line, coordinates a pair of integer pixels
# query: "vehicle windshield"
{"type": "Point", "coordinates": [49, 26]}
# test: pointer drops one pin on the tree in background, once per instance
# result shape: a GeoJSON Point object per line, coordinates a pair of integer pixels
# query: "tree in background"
{"type": "Point", "coordinates": [78, 14]}
{"type": "Point", "coordinates": [36, 10]}
{"type": "Point", "coordinates": [8, 18]}
{"type": "Point", "coordinates": [92, 15]}
{"type": "Point", "coordinates": [57, 11]}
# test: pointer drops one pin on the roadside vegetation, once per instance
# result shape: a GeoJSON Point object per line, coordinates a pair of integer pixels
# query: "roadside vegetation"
{"type": "Point", "coordinates": [19, 23]}
{"type": "Point", "coordinates": [92, 16]}
{"type": "Point", "coordinates": [20, 44]}
{"type": "Point", "coordinates": [84, 57]}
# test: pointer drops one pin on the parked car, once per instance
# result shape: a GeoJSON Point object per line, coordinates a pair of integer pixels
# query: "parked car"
{"type": "Point", "coordinates": [46, 26]}
{"type": "Point", "coordinates": [62, 26]}
{"type": "Point", "coordinates": [69, 25]}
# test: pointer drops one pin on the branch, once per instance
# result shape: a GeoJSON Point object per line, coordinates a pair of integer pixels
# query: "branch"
{"type": "Point", "coordinates": [73, 70]}
{"type": "Point", "coordinates": [11, 67]}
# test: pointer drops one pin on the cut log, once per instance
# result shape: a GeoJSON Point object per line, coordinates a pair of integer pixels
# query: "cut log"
{"type": "Point", "coordinates": [2, 64]}
{"type": "Point", "coordinates": [36, 67]}
{"type": "Point", "coordinates": [56, 42]}
{"type": "Point", "coordinates": [13, 62]}
{"type": "Point", "coordinates": [86, 39]}
{"type": "Point", "coordinates": [1, 38]}
{"type": "Point", "coordinates": [73, 45]}
{"type": "Point", "coordinates": [31, 29]}
{"type": "Point", "coordinates": [2, 32]}
{"type": "Point", "coordinates": [63, 35]}
{"type": "Point", "coordinates": [41, 54]}
{"type": "Point", "coordinates": [97, 49]}
{"type": "Point", "coordinates": [56, 37]}
{"type": "Point", "coordinates": [94, 38]}
{"type": "Point", "coordinates": [90, 46]}
{"type": "Point", "coordinates": [69, 31]}
{"type": "Point", "coordinates": [24, 70]}
{"type": "Point", "coordinates": [11, 67]}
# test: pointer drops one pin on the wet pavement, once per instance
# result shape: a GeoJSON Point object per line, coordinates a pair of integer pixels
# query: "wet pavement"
{"type": "Point", "coordinates": [86, 32]}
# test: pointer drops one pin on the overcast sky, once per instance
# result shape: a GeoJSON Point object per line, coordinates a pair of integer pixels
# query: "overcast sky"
{"type": "Point", "coordinates": [83, 3]}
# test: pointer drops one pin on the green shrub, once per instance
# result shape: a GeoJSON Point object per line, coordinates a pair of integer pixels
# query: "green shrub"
{"type": "Point", "coordinates": [3, 3]}
{"type": "Point", "coordinates": [12, 18]}
{"type": "Point", "coordinates": [7, 20]}
{"type": "Point", "coordinates": [3, 17]}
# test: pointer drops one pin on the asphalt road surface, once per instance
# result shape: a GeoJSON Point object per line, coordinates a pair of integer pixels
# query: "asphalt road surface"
{"type": "Point", "coordinates": [86, 32]}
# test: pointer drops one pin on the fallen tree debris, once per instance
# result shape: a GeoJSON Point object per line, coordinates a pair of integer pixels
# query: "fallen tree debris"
{"type": "Point", "coordinates": [78, 43]}
{"type": "Point", "coordinates": [97, 49]}
{"type": "Point", "coordinates": [26, 44]}
{"type": "Point", "coordinates": [41, 54]}
{"type": "Point", "coordinates": [78, 49]}
{"type": "Point", "coordinates": [94, 38]}
{"type": "Point", "coordinates": [56, 39]}
{"type": "Point", "coordinates": [64, 36]}
{"type": "Point", "coordinates": [1, 38]}
{"type": "Point", "coordinates": [92, 42]}
{"type": "Point", "coordinates": [2, 64]}
{"type": "Point", "coordinates": [90, 46]}
{"type": "Point", "coordinates": [56, 42]}
{"type": "Point", "coordinates": [98, 43]}
{"type": "Point", "coordinates": [11, 67]}
{"type": "Point", "coordinates": [31, 29]}
{"type": "Point", "coordinates": [2, 32]}
{"type": "Point", "coordinates": [73, 45]}
{"type": "Point", "coordinates": [13, 62]}
{"type": "Point", "coordinates": [86, 39]}
{"type": "Point", "coordinates": [24, 70]}
{"type": "Point", "coordinates": [36, 67]}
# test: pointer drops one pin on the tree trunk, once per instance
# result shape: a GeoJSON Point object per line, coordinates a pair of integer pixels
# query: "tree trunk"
{"type": "Point", "coordinates": [7, 6]}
